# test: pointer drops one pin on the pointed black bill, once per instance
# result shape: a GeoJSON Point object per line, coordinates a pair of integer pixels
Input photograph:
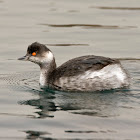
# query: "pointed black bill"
{"type": "Point", "coordinates": [23, 58]}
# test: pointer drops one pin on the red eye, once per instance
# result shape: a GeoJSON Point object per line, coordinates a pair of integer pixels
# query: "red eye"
{"type": "Point", "coordinates": [34, 54]}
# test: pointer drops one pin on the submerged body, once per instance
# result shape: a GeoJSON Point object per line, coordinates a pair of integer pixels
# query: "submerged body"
{"type": "Point", "coordinates": [86, 73]}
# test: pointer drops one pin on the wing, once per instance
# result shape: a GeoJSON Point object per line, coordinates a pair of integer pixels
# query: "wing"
{"type": "Point", "coordinates": [79, 65]}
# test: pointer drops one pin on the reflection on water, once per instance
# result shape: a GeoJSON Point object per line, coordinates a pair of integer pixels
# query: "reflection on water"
{"type": "Point", "coordinates": [101, 131]}
{"type": "Point", "coordinates": [117, 8]}
{"type": "Point", "coordinates": [67, 44]}
{"type": "Point", "coordinates": [40, 135]}
{"type": "Point", "coordinates": [35, 134]}
{"type": "Point", "coordinates": [100, 104]}
{"type": "Point", "coordinates": [45, 104]}
{"type": "Point", "coordinates": [89, 26]}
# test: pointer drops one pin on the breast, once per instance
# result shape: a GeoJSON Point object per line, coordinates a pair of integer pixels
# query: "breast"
{"type": "Point", "coordinates": [109, 77]}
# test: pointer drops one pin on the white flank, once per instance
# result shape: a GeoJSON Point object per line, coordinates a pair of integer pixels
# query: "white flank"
{"type": "Point", "coordinates": [106, 72]}
{"type": "Point", "coordinates": [110, 77]}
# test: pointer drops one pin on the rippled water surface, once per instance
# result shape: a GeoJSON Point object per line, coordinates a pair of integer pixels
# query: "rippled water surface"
{"type": "Point", "coordinates": [69, 28]}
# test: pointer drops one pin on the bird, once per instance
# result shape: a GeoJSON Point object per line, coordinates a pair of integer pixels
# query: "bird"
{"type": "Point", "coordinates": [81, 74]}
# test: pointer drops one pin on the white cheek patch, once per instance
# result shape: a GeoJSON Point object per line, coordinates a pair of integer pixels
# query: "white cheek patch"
{"type": "Point", "coordinates": [49, 56]}
{"type": "Point", "coordinates": [34, 59]}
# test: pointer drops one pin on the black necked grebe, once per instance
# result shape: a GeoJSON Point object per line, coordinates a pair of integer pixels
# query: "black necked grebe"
{"type": "Point", "coordinates": [85, 73]}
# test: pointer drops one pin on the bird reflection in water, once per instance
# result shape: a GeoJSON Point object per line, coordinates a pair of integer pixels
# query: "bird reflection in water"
{"type": "Point", "coordinates": [99, 104]}
{"type": "Point", "coordinates": [44, 103]}
{"type": "Point", "coordinates": [35, 134]}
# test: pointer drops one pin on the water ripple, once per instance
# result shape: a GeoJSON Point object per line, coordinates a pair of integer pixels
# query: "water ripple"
{"type": "Point", "coordinates": [67, 44]}
{"type": "Point", "coordinates": [101, 131]}
{"type": "Point", "coordinates": [96, 26]}
{"type": "Point", "coordinates": [21, 81]}
{"type": "Point", "coordinates": [35, 134]}
{"type": "Point", "coordinates": [128, 59]}
{"type": "Point", "coordinates": [116, 8]}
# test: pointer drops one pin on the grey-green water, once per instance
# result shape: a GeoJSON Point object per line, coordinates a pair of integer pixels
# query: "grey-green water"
{"type": "Point", "coordinates": [70, 29]}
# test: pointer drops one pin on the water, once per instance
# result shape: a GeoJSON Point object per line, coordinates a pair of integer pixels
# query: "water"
{"type": "Point", "coordinates": [69, 28]}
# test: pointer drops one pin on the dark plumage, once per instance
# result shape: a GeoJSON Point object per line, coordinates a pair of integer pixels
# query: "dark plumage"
{"type": "Point", "coordinates": [37, 47]}
{"type": "Point", "coordinates": [85, 73]}
{"type": "Point", "coordinates": [81, 64]}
